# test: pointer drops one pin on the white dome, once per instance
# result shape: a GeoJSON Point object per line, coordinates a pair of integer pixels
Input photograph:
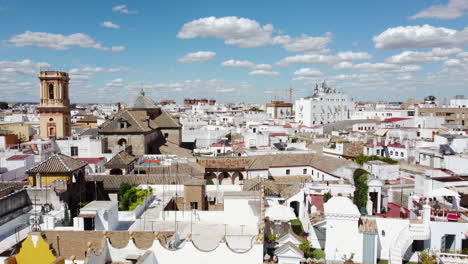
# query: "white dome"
{"type": "Point", "coordinates": [339, 205]}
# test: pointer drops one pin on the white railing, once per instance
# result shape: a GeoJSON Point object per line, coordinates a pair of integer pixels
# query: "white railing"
{"type": "Point", "coordinates": [449, 258]}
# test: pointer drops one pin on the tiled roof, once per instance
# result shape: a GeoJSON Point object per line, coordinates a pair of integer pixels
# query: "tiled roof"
{"type": "Point", "coordinates": [58, 163]}
{"type": "Point", "coordinates": [395, 119]}
{"type": "Point", "coordinates": [91, 160]}
{"type": "Point", "coordinates": [142, 102]}
{"type": "Point", "coordinates": [121, 159]}
{"type": "Point", "coordinates": [286, 245]}
{"type": "Point", "coordinates": [18, 157]}
{"type": "Point", "coordinates": [278, 135]}
{"type": "Point", "coordinates": [75, 243]}
{"type": "Point", "coordinates": [114, 181]}
{"type": "Point", "coordinates": [263, 162]}
{"type": "Point", "coordinates": [353, 149]}
{"type": "Point", "coordinates": [138, 121]}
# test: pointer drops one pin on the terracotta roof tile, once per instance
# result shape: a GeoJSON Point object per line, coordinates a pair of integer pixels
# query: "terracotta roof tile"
{"type": "Point", "coordinates": [121, 159]}
{"type": "Point", "coordinates": [58, 163]}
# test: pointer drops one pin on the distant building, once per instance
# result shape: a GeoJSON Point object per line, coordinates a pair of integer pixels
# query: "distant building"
{"type": "Point", "coordinates": [279, 109]}
{"type": "Point", "coordinates": [325, 106]}
{"type": "Point", "coordinates": [459, 102]}
{"type": "Point", "coordinates": [54, 107]}
{"type": "Point", "coordinates": [142, 126]}
{"type": "Point", "coordinates": [452, 115]}
{"type": "Point", "coordinates": [188, 101]}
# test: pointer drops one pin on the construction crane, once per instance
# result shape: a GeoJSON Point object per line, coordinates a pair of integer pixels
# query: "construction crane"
{"type": "Point", "coordinates": [290, 91]}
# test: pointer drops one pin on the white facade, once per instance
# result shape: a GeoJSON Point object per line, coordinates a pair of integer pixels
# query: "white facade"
{"type": "Point", "coordinates": [459, 102]}
{"type": "Point", "coordinates": [83, 147]}
{"type": "Point", "coordinates": [324, 107]}
{"type": "Point", "coordinates": [382, 170]}
{"type": "Point", "coordinates": [381, 114]}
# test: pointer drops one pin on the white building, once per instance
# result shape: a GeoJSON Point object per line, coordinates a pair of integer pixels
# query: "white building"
{"type": "Point", "coordinates": [325, 106]}
{"type": "Point", "coordinates": [459, 102]}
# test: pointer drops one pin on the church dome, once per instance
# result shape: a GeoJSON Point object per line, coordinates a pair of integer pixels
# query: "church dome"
{"type": "Point", "coordinates": [142, 102]}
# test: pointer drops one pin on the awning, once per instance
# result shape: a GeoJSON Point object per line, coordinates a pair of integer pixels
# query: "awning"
{"type": "Point", "coordinates": [381, 132]}
{"type": "Point", "coordinates": [280, 213]}
{"type": "Point", "coordinates": [444, 192]}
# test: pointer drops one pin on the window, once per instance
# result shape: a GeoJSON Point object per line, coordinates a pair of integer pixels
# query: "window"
{"type": "Point", "coordinates": [391, 152]}
{"type": "Point", "coordinates": [401, 154]}
{"type": "Point", "coordinates": [418, 245]}
{"type": "Point", "coordinates": [288, 171]}
{"type": "Point", "coordinates": [51, 91]}
{"type": "Point", "coordinates": [122, 124]}
{"type": "Point", "coordinates": [193, 205]}
{"type": "Point", "coordinates": [74, 151]}
{"type": "Point", "coordinates": [166, 135]}
{"type": "Point", "coordinates": [378, 152]}
{"type": "Point", "coordinates": [304, 171]}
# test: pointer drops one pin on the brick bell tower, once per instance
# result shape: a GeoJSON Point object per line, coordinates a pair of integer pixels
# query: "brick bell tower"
{"type": "Point", "coordinates": [54, 107]}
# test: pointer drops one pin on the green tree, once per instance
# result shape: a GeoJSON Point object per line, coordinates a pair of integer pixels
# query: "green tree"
{"type": "Point", "coordinates": [4, 105]}
{"type": "Point", "coordinates": [296, 226]}
{"type": "Point", "coordinates": [306, 248]}
{"type": "Point", "coordinates": [327, 196]}
{"type": "Point", "coordinates": [66, 216]}
{"type": "Point", "coordinates": [131, 197]}
{"type": "Point", "coordinates": [361, 189]}
{"type": "Point", "coordinates": [256, 109]}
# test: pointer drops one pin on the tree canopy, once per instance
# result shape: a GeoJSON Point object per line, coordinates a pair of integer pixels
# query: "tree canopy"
{"type": "Point", "coordinates": [4, 105]}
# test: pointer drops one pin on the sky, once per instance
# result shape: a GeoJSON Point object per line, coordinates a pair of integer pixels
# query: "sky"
{"type": "Point", "coordinates": [235, 51]}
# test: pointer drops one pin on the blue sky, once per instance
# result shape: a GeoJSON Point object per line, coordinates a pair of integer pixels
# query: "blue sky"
{"type": "Point", "coordinates": [234, 50]}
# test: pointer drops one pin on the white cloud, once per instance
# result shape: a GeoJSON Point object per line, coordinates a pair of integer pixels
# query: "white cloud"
{"type": "Point", "coordinates": [242, 32]}
{"type": "Point", "coordinates": [264, 73]}
{"type": "Point", "coordinates": [248, 33]}
{"type": "Point", "coordinates": [376, 67]}
{"type": "Point", "coordinates": [119, 82]}
{"type": "Point", "coordinates": [123, 9]}
{"type": "Point", "coordinates": [453, 9]}
{"type": "Point", "coordinates": [109, 24]}
{"type": "Point", "coordinates": [26, 67]}
{"type": "Point", "coordinates": [194, 86]}
{"type": "Point", "coordinates": [200, 56]}
{"type": "Point", "coordinates": [425, 36]}
{"type": "Point", "coordinates": [92, 70]}
{"type": "Point", "coordinates": [307, 43]}
{"type": "Point", "coordinates": [308, 72]}
{"type": "Point", "coordinates": [437, 54]}
{"type": "Point", "coordinates": [246, 64]}
{"type": "Point", "coordinates": [117, 48]}
{"type": "Point", "coordinates": [324, 59]}
{"type": "Point", "coordinates": [58, 41]}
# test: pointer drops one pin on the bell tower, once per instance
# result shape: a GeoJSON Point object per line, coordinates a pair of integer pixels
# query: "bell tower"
{"type": "Point", "coordinates": [54, 107]}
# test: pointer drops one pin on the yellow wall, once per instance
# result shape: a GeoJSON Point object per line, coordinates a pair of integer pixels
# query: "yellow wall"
{"type": "Point", "coordinates": [62, 123]}
{"type": "Point", "coordinates": [20, 129]}
{"type": "Point", "coordinates": [39, 254]}
{"type": "Point", "coordinates": [48, 180]}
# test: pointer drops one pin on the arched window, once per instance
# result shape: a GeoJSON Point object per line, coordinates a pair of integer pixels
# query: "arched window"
{"type": "Point", "coordinates": [122, 142]}
{"type": "Point", "coordinates": [401, 154]}
{"type": "Point", "coordinates": [51, 91]}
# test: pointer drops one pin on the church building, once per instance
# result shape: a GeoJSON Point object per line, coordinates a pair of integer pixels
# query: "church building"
{"type": "Point", "coordinates": [142, 127]}
{"type": "Point", "coordinates": [54, 107]}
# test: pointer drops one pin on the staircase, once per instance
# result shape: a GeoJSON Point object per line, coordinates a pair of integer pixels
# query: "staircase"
{"type": "Point", "coordinates": [405, 239]}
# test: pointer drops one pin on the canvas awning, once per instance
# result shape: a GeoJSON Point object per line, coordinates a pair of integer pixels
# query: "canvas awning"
{"type": "Point", "coordinates": [280, 213]}
{"type": "Point", "coordinates": [444, 192]}
{"type": "Point", "coordinates": [381, 132]}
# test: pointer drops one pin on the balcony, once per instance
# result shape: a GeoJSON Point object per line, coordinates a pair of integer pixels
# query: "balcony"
{"type": "Point", "coordinates": [54, 102]}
